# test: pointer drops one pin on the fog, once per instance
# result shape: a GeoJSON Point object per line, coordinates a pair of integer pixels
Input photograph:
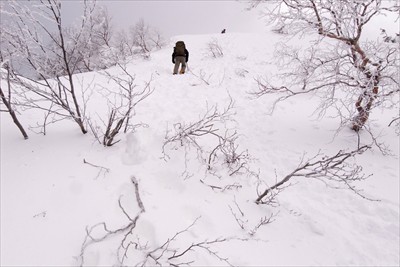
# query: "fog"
{"type": "Point", "coordinates": [177, 17]}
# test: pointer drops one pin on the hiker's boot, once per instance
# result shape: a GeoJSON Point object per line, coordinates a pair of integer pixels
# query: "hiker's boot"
{"type": "Point", "coordinates": [182, 71]}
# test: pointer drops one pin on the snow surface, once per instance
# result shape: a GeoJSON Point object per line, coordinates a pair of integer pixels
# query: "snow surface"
{"type": "Point", "coordinates": [49, 195]}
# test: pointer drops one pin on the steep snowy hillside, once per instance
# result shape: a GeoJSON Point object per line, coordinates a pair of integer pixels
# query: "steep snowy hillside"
{"type": "Point", "coordinates": [193, 208]}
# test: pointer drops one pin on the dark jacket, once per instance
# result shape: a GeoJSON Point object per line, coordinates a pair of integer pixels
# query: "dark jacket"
{"type": "Point", "coordinates": [174, 55]}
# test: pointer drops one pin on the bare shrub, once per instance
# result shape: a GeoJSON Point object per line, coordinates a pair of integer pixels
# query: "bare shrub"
{"type": "Point", "coordinates": [125, 231]}
{"type": "Point", "coordinates": [243, 221]}
{"type": "Point", "coordinates": [169, 254]}
{"type": "Point", "coordinates": [202, 76]}
{"type": "Point", "coordinates": [224, 149]}
{"type": "Point", "coordinates": [131, 251]}
{"type": "Point", "coordinates": [214, 49]}
{"type": "Point", "coordinates": [123, 95]}
{"type": "Point", "coordinates": [332, 170]}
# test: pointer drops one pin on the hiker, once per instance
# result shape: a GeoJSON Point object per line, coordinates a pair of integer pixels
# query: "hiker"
{"type": "Point", "coordinates": [223, 31]}
{"type": "Point", "coordinates": [180, 56]}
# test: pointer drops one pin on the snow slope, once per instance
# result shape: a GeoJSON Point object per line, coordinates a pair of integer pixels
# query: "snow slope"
{"type": "Point", "coordinates": [49, 195]}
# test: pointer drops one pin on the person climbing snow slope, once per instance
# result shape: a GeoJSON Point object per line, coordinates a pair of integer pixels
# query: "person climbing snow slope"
{"type": "Point", "coordinates": [180, 56]}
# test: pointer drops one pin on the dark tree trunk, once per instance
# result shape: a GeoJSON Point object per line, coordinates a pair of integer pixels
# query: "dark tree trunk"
{"type": "Point", "coordinates": [12, 113]}
{"type": "Point", "coordinates": [364, 110]}
{"type": "Point", "coordinates": [367, 98]}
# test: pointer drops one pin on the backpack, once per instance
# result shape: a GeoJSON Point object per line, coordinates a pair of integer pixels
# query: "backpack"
{"type": "Point", "coordinates": [180, 48]}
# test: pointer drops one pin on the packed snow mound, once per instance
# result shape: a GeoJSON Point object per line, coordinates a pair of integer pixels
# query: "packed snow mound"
{"type": "Point", "coordinates": [58, 187]}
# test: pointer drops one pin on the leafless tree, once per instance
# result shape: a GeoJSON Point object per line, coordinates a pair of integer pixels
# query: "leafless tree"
{"type": "Point", "coordinates": [123, 48]}
{"type": "Point", "coordinates": [140, 35]}
{"type": "Point", "coordinates": [341, 67]}
{"type": "Point", "coordinates": [145, 38]}
{"type": "Point", "coordinates": [157, 39]}
{"type": "Point", "coordinates": [93, 50]}
{"type": "Point", "coordinates": [37, 35]}
{"type": "Point", "coordinates": [122, 96]}
{"type": "Point", "coordinates": [6, 99]}
{"type": "Point", "coordinates": [50, 96]}
{"type": "Point", "coordinates": [140, 40]}
{"type": "Point", "coordinates": [103, 31]}
{"type": "Point", "coordinates": [331, 170]}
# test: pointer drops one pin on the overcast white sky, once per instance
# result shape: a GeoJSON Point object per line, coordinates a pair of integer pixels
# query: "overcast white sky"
{"type": "Point", "coordinates": [177, 17]}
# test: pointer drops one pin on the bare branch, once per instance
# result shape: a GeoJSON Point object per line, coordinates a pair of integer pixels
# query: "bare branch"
{"type": "Point", "coordinates": [103, 170]}
{"type": "Point", "coordinates": [167, 254]}
{"type": "Point", "coordinates": [214, 48]}
{"type": "Point", "coordinates": [125, 231]}
{"type": "Point", "coordinates": [396, 119]}
{"type": "Point", "coordinates": [263, 221]}
{"type": "Point", "coordinates": [334, 168]}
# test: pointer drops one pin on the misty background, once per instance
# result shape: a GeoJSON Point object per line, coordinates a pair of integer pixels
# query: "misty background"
{"type": "Point", "coordinates": [174, 18]}
{"type": "Point", "coordinates": [170, 18]}
{"type": "Point", "coordinates": [177, 17]}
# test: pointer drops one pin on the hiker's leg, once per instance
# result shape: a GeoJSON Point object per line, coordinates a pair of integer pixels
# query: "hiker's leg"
{"type": "Point", "coordinates": [183, 66]}
{"type": "Point", "coordinates": [176, 67]}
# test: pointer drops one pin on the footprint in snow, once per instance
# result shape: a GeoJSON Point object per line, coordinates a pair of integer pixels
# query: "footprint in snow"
{"type": "Point", "coordinates": [134, 153]}
{"type": "Point", "coordinates": [295, 213]}
{"type": "Point", "coordinates": [314, 226]}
